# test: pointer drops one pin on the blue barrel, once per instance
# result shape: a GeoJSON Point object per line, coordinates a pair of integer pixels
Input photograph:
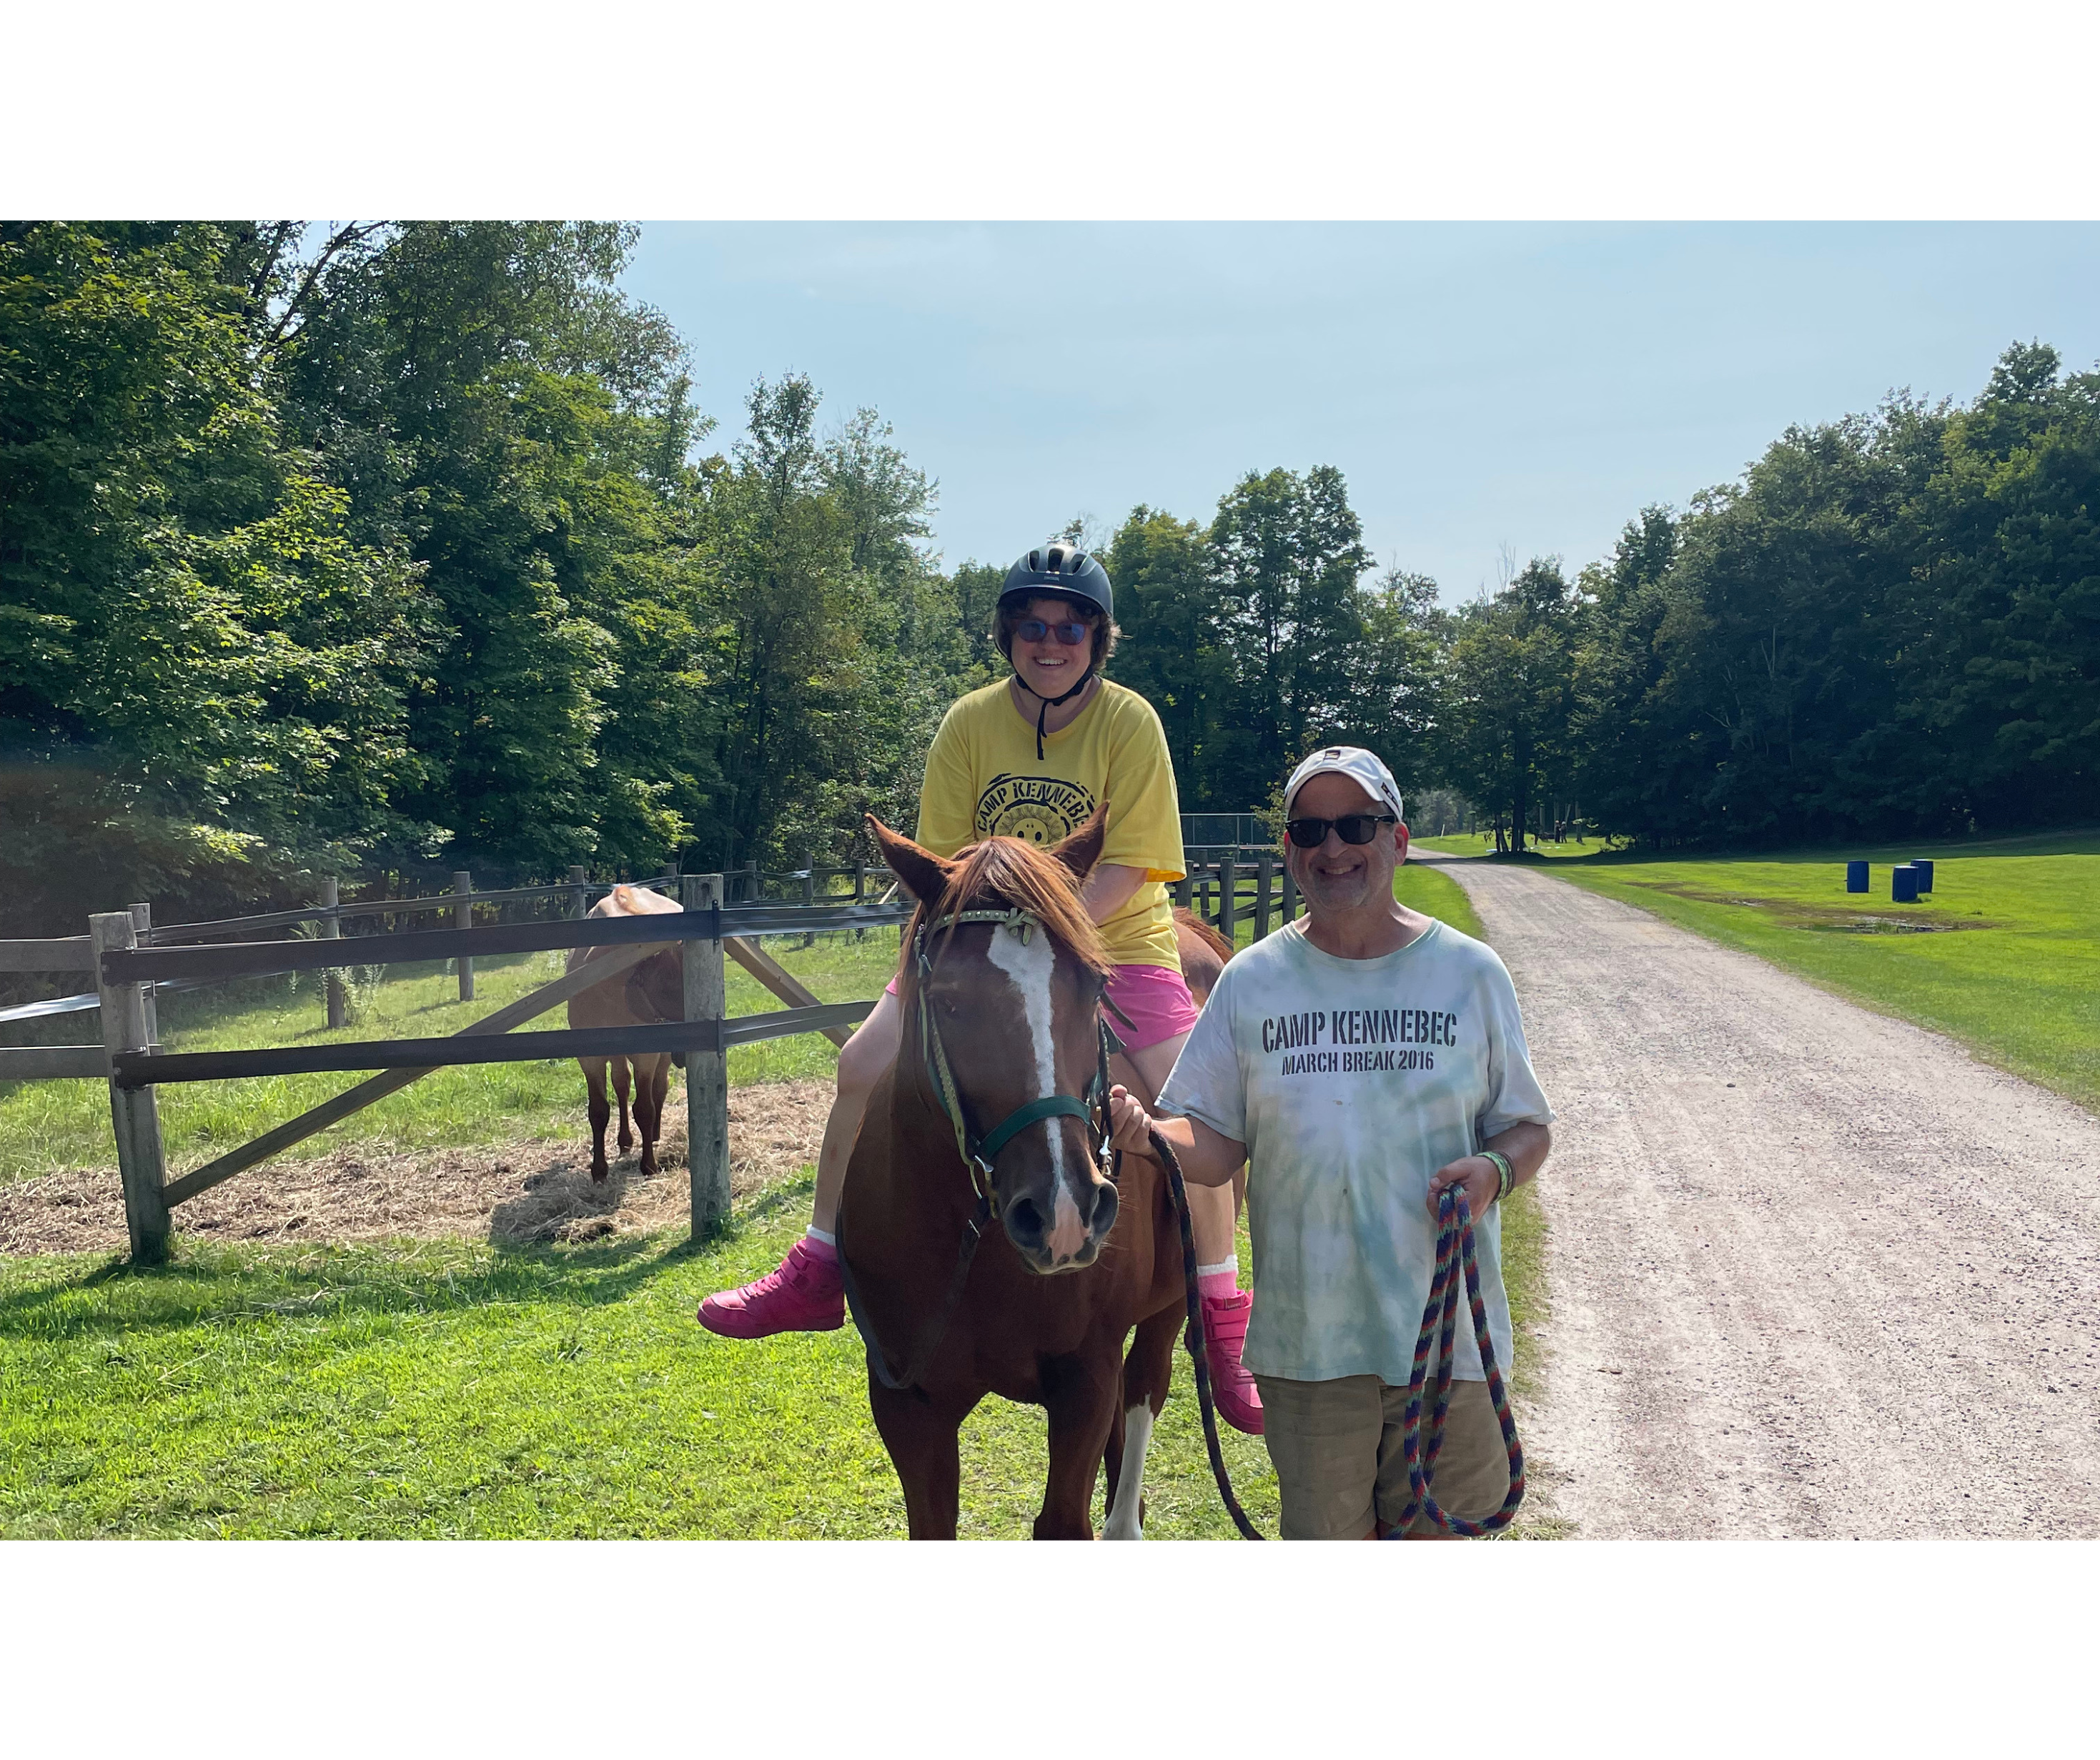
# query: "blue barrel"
{"type": "Point", "coordinates": [1902, 884]}
{"type": "Point", "coordinates": [1856, 877]}
{"type": "Point", "coordinates": [1924, 875]}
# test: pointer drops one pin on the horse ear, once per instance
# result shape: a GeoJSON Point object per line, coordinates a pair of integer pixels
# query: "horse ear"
{"type": "Point", "coordinates": [1083, 848]}
{"type": "Point", "coordinates": [924, 874]}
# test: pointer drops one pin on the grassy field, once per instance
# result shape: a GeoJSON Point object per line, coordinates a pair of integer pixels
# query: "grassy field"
{"type": "Point", "coordinates": [46, 1126]}
{"type": "Point", "coordinates": [468, 1389]}
{"type": "Point", "coordinates": [2004, 955]}
{"type": "Point", "coordinates": [458, 1390]}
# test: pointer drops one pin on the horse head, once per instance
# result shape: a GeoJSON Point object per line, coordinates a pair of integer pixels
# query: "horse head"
{"type": "Point", "coordinates": [1011, 1006]}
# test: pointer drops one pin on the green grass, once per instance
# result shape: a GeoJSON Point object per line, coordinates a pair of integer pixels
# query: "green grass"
{"type": "Point", "coordinates": [2004, 955]}
{"type": "Point", "coordinates": [457, 1389]}
{"type": "Point", "coordinates": [49, 1125]}
{"type": "Point", "coordinates": [454, 1389]}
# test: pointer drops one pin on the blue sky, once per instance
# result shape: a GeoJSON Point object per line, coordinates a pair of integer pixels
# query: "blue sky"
{"type": "Point", "coordinates": [1530, 386]}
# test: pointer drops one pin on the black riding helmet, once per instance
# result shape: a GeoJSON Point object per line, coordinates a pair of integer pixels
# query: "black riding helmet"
{"type": "Point", "coordinates": [1058, 571]}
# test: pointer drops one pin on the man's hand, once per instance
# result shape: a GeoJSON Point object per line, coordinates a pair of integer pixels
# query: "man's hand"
{"type": "Point", "coordinates": [1128, 1122]}
{"type": "Point", "coordinates": [1478, 1176]}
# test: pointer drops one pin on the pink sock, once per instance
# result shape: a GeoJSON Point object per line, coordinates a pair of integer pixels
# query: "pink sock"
{"type": "Point", "coordinates": [1217, 1282]}
{"type": "Point", "coordinates": [822, 1243]}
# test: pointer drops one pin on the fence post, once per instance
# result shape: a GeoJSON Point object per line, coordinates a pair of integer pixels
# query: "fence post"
{"type": "Point", "coordinates": [142, 926]}
{"type": "Point", "coordinates": [860, 894]}
{"type": "Point", "coordinates": [463, 918]}
{"type": "Point", "coordinates": [1181, 887]}
{"type": "Point", "coordinates": [1290, 894]}
{"type": "Point", "coordinates": [1265, 877]}
{"type": "Point", "coordinates": [134, 1113]}
{"type": "Point", "coordinates": [332, 930]}
{"type": "Point", "coordinates": [579, 878]}
{"type": "Point", "coordinates": [1228, 897]}
{"type": "Point", "coordinates": [706, 1073]}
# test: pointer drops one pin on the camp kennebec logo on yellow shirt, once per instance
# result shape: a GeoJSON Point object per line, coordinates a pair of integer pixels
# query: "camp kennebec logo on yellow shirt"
{"type": "Point", "coordinates": [1035, 809]}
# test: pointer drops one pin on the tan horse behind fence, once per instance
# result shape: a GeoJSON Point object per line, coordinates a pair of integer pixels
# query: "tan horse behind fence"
{"type": "Point", "coordinates": [646, 995]}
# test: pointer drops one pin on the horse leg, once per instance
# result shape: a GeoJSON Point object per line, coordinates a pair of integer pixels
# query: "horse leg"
{"type": "Point", "coordinates": [922, 1439]}
{"type": "Point", "coordinates": [620, 1076]}
{"type": "Point", "coordinates": [601, 1112]}
{"type": "Point", "coordinates": [648, 1114]}
{"type": "Point", "coordinates": [1080, 1393]}
{"type": "Point", "coordinates": [1147, 1374]}
{"type": "Point", "coordinates": [659, 1088]}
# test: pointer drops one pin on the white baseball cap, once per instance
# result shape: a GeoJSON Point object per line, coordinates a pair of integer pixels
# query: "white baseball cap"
{"type": "Point", "coordinates": [1358, 763]}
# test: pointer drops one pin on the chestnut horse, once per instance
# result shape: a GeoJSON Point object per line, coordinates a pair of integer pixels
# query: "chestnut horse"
{"type": "Point", "coordinates": [646, 995]}
{"type": "Point", "coordinates": [992, 1109]}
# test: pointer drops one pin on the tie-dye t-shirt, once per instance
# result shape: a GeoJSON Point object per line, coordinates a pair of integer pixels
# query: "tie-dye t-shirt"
{"type": "Point", "coordinates": [1351, 1082]}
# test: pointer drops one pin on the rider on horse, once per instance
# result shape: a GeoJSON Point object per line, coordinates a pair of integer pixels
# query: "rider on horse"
{"type": "Point", "coordinates": [1031, 757]}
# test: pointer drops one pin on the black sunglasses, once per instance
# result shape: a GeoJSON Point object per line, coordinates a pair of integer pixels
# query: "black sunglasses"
{"type": "Point", "coordinates": [1354, 828]}
{"type": "Point", "coordinates": [1035, 629]}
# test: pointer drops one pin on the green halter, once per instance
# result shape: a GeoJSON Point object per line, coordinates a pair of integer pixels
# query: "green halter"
{"type": "Point", "coordinates": [978, 1152]}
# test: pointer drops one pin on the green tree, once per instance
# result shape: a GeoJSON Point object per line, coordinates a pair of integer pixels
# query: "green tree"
{"type": "Point", "coordinates": [204, 668]}
{"type": "Point", "coordinates": [1508, 693]}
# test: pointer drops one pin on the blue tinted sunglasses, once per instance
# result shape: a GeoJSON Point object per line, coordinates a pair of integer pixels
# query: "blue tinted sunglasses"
{"type": "Point", "coordinates": [1034, 630]}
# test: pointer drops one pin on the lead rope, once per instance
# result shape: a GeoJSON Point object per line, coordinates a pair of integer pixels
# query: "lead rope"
{"type": "Point", "coordinates": [1194, 1339]}
{"type": "Point", "coordinates": [1454, 1250]}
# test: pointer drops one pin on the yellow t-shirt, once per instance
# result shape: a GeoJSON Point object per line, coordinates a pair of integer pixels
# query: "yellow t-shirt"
{"type": "Point", "coordinates": [983, 780]}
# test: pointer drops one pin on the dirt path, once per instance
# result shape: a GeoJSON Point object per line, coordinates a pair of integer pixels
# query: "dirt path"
{"type": "Point", "coordinates": [523, 1191]}
{"type": "Point", "coordinates": [1814, 1273]}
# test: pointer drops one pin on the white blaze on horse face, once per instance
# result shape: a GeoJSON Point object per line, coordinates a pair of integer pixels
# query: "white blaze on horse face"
{"type": "Point", "coordinates": [1028, 965]}
{"type": "Point", "coordinates": [1122, 1522]}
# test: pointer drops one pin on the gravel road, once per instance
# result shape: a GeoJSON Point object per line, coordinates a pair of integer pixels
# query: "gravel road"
{"type": "Point", "coordinates": [1813, 1274]}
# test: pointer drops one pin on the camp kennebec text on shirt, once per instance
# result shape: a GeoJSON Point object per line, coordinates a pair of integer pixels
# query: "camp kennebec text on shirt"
{"type": "Point", "coordinates": [1409, 1036]}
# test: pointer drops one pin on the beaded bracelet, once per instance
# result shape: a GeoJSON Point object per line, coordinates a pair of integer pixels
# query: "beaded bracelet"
{"type": "Point", "coordinates": [1502, 1167]}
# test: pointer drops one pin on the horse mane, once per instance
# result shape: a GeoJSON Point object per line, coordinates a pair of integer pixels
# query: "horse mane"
{"type": "Point", "coordinates": [1005, 873]}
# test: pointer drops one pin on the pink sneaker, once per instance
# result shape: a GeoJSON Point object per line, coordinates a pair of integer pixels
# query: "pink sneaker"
{"type": "Point", "coordinates": [806, 1295]}
{"type": "Point", "coordinates": [1224, 1331]}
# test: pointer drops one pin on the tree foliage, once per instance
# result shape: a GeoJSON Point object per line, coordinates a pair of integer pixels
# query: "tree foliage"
{"type": "Point", "coordinates": [370, 545]}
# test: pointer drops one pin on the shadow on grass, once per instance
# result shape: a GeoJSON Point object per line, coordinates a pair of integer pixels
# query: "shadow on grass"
{"type": "Point", "coordinates": [215, 1284]}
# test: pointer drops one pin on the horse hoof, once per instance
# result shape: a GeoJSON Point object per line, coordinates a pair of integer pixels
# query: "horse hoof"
{"type": "Point", "coordinates": [600, 1175]}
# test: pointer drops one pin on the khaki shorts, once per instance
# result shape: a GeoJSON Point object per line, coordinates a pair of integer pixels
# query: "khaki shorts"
{"type": "Point", "coordinates": [1339, 1464]}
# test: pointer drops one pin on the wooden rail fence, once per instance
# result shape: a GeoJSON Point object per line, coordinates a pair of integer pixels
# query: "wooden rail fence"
{"type": "Point", "coordinates": [1231, 886]}
{"type": "Point", "coordinates": [131, 960]}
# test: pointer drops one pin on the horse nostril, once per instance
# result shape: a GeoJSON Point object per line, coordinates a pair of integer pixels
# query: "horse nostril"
{"type": "Point", "coordinates": [1105, 1200]}
{"type": "Point", "coordinates": [1025, 1226]}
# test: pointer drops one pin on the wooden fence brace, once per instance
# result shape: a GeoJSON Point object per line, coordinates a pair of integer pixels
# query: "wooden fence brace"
{"type": "Point", "coordinates": [782, 982]}
{"type": "Point", "coordinates": [463, 918]}
{"type": "Point", "coordinates": [1229, 898]}
{"type": "Point", "coordinates": [134, 1113]}
{"type": "Point", "coordinates": [579, 878]}
{"type": "Point", "coordinates": [338, 1004]}
{"type": "Point", "coordinates": [142, 926]}
{"type": "Point", "coordinates": [706, 1073]}
{"type": "Point", "coordinates": [1264, 878]}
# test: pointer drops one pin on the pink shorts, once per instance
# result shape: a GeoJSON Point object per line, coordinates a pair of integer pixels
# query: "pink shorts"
{"type": "Point", "coordinates": [1156, 999]}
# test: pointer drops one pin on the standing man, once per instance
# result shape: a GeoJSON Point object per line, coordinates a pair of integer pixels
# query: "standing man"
{"type": "Point", "coordinates": [1360, 1060]}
